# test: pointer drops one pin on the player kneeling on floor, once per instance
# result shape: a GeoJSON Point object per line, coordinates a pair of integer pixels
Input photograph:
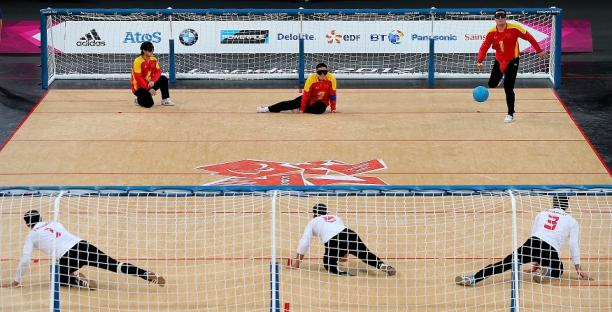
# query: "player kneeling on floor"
{"type": "Point", "coordinates": [339, 242]}
{"type": "Point", "coordinates": [550, 229]}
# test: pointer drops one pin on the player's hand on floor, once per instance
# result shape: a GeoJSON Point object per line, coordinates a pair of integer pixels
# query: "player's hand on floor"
{"type": "Point", "coordinates": [11, 285]}
{"type": "Point", "coordinates": [293, 263]}
{"type": "Point", "coordinates": [584, 276]}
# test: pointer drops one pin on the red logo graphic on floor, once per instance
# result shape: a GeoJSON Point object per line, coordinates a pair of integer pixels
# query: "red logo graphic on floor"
{"type": "Point", "coordinates": [323, 172]}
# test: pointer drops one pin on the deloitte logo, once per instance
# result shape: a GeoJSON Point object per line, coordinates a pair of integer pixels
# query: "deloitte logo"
{"type": "Point", "coordinates": [188, 37]}
{"type": "Point", "coordinates": [91, 39]}
{"type": "Point", "coordinates": [396, 36]}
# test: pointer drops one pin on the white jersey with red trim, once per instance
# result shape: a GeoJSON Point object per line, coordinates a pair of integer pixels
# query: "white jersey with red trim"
{"type": "Point", "coordinates": [555, 226]}
{"type": "Point", "coordinates": [325, 227]}
{"type": "Point", "coordinates": [44, 236]}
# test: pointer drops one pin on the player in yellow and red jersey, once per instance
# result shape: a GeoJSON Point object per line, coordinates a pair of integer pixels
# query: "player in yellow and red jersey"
{"type": "Point", "coordinates": [147, 78]}
{"type": "Point", "coordinates": [504, 38]}
{"type": "Point", "coordinates": [319, 92]}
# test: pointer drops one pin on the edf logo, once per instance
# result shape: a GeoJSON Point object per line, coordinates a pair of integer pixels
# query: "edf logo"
{"type": "Point", "coordinates": [138, 37]}
{"type": "Point", "coordinates": [334, 37]}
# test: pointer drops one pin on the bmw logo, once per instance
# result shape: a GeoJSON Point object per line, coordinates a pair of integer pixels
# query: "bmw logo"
{"type": "Point", "coordinates": [188, 37]}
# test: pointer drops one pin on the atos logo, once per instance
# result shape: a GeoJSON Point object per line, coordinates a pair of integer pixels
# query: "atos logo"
{"type": "Point", "coordinates": [334, 37]}
{"type": "Point", "coordinates": [138, 37]}
{"type": "Point", "coordinates": [395, 37]}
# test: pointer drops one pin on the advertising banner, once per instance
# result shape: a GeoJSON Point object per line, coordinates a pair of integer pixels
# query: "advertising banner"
{"type": "Point", "coordinates": [274, 36]}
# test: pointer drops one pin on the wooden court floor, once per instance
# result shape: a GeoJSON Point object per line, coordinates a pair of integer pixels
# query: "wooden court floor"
{"type": "Point", "coordinates": [99, 137]}
{"type": "Point", "coordinates": [441, 136]}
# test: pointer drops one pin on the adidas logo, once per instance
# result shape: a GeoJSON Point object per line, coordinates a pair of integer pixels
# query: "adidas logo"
{"type": "Point", "coordinates": [91, 39]}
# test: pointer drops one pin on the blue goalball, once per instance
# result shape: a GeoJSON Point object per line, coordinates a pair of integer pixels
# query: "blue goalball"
{"type": "Point", "coordinates": [480, 94]}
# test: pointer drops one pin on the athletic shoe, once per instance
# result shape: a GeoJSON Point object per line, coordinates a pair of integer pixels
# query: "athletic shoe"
{"type": "Point", "coordinates": [263, 109]}
{"type": "Point", "coordinates": [509, 119]}
{"type": "Point", "coordinates": [542, 276]}
{"type": "Point", "coordinates": [167, 102]}
{"type": "Point", "coordinates": [465, 280]}
{"type": "Point", "coordinates": [388, 269]}
{"type": "Point", "coordinates": [136, 101]}
{"type": "Point", "coordinates": [86, 283]}
{"type": "Point", "coordinates": [156, 279]}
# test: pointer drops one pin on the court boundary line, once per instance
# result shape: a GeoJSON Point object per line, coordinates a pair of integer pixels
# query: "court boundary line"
{"type": "Point", "coordinates": [296, 140]}
{"type": "Point", "coordinates": [586, 138]}
{"type": "Point", "coordinates": [23, 121]}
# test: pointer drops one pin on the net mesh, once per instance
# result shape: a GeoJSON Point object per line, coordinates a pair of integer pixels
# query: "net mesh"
{"type": "Point", "coordinates": [360, 46]}
{"type": "Point", "coordinates": [215, 251]}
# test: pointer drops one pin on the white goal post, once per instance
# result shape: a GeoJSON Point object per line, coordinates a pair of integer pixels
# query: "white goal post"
{"type": "Point", "coordinates": [228, 248]}
{"type": "Point", "coordinates": [287, 43]}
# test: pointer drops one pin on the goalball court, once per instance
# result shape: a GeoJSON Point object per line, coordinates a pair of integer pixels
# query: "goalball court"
{"type": "Point", "coordinates": [431, 169]}
{"type": "Point", "coordinates": [215, 251]}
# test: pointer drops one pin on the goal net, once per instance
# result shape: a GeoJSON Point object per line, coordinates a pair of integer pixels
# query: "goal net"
{"type": "Point", "coordinates": [223, 249]}
{"type": "Point", "coordinates": [287, 44]}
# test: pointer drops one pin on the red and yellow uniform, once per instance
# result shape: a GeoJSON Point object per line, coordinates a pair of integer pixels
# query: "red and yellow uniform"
{"type": "Point", "coordinates": [316, 90]}
{"type": "Point", "coordinates": [143, 72]}
{"type": "Point", "coordinates": [505, 44]}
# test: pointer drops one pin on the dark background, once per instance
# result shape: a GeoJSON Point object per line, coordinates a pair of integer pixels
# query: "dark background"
{"type": "Point", "coordinates": [586, 87]}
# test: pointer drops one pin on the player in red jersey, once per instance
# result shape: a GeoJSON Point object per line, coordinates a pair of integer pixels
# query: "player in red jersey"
{"type": "Point", "coordinates": [147, 78]}
{"type": "Point", "coordinates": [504, 38]}
{"type": "Point", "coordinates": [319, 92]}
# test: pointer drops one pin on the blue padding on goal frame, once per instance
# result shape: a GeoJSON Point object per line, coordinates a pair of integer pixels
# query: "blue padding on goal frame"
{"type": "Point", "coordinates": [339, 190]}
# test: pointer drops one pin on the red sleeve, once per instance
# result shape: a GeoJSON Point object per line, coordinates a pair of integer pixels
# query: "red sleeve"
{"type": "Point", "coordinates": [486, 44]}
{"type": "Point", "coordinates": [305, 97]}
{"type": "Point", "coordinates": [156, 73]}
{"type": "Point", "coordinates": [332, 92]}
{"type": "Point", "coordinates": [332, 99]}
{"type": "Point", "coordinates": [138, 75]}
{"type": "Point", "coordinates": [527, 36]}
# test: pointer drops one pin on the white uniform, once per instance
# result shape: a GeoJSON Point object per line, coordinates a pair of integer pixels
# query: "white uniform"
{"type": "Point", "coordinates": [43, 236]}
{"type": "Point", "coordinates": [555, 226]}
{"type": "Point", "coordinates": [325, 227]}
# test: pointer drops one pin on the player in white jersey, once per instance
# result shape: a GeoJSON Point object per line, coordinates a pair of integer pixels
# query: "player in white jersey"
{"type": "Point", "coordinates": [339, 242]}
{"type": "Point", "coordinates": [551, 228]}
{"type": "Point", "coordinates": [72, 254]}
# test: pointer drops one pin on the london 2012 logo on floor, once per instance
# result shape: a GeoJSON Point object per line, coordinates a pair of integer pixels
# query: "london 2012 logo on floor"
{"type": "Point", "coordinates": [321, 172]}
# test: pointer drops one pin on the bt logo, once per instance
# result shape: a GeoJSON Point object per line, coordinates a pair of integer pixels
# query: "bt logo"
{"type": "Point", "coordinates": [394, 37]}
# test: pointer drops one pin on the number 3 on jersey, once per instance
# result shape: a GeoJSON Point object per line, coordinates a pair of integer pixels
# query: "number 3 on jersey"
{"type": "Point", "coordinates": [551, 223]}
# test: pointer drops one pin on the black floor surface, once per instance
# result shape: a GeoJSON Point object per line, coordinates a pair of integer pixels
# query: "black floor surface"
{"type": "Point", "coordinates": [586, 87]}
